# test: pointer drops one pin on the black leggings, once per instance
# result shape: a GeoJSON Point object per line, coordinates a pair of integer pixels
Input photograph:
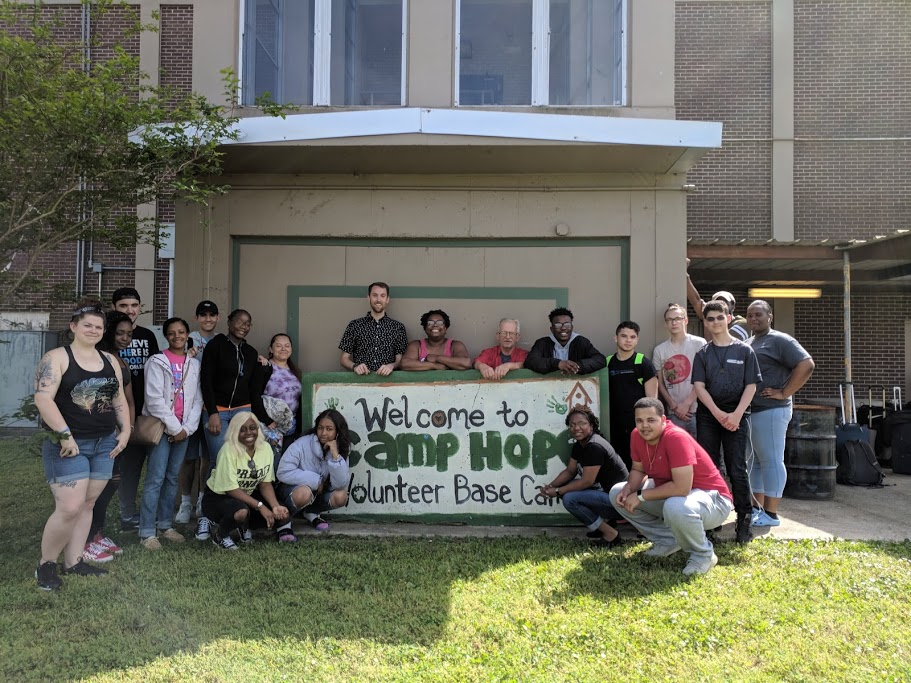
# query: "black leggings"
{"type": "Point", "coordinates": [100, 511]}
{"type": "Point", "coordinates": [221, 508]}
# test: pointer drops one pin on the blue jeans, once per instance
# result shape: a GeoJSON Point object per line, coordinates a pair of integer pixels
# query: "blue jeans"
{"type": "Point", "coordinates": [214, 442]}
{"type": "Point", "coordinates": [591, 507]}
{"type": "Point", "coordinates": [712, 435]}
{"type": "Point", "coordinates": [769, 429]}
{"type": "Point", "coordinates": [680, 520]}
{"type": "Point", "coordinates": [93, 462]}
{"type": "Point", "coordinates": [160, 489]}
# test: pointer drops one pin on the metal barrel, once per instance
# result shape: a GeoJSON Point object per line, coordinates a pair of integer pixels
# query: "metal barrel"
{"type": "Point", "coordinates": [809, 453]}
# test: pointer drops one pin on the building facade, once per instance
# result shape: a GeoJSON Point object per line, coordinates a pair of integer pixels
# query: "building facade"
{"type": "Point", "coordinates": [497, 158]}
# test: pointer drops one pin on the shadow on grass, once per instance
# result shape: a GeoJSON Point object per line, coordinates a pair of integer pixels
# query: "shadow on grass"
{"type": "Point", "coordinates": [156, 604]}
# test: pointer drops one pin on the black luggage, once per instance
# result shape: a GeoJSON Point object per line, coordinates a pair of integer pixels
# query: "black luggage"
{"type": "Point", "coordinates": [857, 465]}
{"type": "Point", "coordinates": [896, 440]}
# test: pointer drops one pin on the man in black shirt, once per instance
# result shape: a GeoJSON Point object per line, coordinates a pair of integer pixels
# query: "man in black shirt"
{"type": "Point", "coordinates": [563, 349]}
{"type": "Point", "coordinates": [725, 374]}
{"type": "Point", "coordinates": [631, 376]}
{"type": "Point", "coordinates": [144, 345]}
{"type": "Point", "coordinates": [376, 342]}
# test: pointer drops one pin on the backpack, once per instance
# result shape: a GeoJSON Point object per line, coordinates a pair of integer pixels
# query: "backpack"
{"type": "Point", "coordinates": [857, 465]}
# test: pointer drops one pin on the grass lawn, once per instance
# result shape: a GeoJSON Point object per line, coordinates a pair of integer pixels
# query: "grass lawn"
{"type": "Point", "coordinates": [374, 609]}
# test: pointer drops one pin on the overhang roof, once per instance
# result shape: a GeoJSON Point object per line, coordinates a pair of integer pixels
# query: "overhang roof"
{"type": "Point", "coordinates": [413, 140]}
{"type": "Point", "coordinates": [882, 263]}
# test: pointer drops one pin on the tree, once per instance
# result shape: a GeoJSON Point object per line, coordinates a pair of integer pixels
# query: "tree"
{"type": "Point", "coordinates": [84, 140]}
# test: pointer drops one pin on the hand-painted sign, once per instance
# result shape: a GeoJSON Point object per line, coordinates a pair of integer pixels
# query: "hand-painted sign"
{"type": "Point", "coordinates": [456, 448]}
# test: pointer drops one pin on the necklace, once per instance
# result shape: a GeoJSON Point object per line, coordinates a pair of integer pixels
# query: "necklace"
{"type": "Point", "coordinates": [722, 359]}
{"type": "Point", "coordinates": [651, 456]}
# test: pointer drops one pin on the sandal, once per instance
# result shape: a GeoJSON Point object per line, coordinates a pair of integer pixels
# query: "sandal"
{"type": "Point", "coordinates": [286, 536]}
{"type": "Point", "coordinates": [320, 524]}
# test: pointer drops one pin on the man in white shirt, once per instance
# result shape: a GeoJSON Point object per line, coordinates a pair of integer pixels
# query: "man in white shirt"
{"type": "Point", "coordinates": [673, 361]}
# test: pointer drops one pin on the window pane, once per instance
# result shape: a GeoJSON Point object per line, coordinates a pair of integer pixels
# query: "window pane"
{"type": "Point", "coordinates": [495, 52]}
{"type": "Point", "coordinates": [366, 52]}
{"type": "Point", "coordinates": [585, 52]}
{"type": "Point", "coordinates": [278, 51]}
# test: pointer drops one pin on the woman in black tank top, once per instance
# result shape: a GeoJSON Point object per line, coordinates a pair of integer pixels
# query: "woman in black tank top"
{"type": "Point", "coordinates": [79, 394]}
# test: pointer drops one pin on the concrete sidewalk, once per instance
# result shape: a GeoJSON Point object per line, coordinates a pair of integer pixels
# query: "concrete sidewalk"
{"type": "Point", "coordinates": [855, 514]}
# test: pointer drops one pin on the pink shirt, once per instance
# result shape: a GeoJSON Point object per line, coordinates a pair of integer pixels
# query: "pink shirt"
{"type": "Point", "coordinates": [677, 448]}
{"type": "Point", "coordinates": [177, 364]}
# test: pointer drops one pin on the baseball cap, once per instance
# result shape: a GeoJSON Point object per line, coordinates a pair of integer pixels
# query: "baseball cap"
{"type": "Point", "coordinates": [727, 297]}
{"type": "Point", "coordinates": [206, 307]}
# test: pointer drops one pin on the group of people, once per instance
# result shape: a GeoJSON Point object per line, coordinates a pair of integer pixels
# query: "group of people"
{"type": "Point", "coordinates": [228, 420]}
{"type": "Point", "coordinates": [208, 407]}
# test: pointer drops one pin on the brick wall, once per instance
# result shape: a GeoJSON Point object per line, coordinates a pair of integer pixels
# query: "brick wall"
{"type": "Point", "coordinates": [723, 73]}
{"type": "Point", "coordinates": [852, 62]}
{"type": "Point", "coordinates": [877, 340]}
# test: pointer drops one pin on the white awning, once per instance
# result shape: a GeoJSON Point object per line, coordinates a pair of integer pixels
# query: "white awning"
{"type": "Point", "coordinates": [474, 141]}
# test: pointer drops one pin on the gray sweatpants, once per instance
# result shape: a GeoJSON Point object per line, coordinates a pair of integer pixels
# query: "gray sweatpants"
{"type": "Point", "coordinates": [679, 520]}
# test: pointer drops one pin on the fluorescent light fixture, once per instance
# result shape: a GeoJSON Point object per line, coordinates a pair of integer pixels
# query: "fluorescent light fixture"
{"type": "Point", "coordinates": [784, 293]}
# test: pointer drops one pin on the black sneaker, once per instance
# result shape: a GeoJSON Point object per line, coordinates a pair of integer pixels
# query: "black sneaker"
{"type": "Point", "coordinates": [594, 534]}
{"type": "Point", "coordinates": [742, 530]}
{"type": "Point", "coordinates": [83, 569]}
{"type": "Point", "coordinates": [46, 574]}
{"type": "Point", "coordinates": [607, 545]}
{"type": "Point", "coordinates": [129, 523]}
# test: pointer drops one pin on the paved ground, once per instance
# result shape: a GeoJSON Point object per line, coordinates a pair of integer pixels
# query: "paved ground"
{"type": "Point", "coordinates": [854, 513]}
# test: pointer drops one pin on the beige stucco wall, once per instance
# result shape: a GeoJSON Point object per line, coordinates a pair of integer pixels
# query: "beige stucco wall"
{"type": "Point", "coordinates": [417, 218]}
{"type": "Point", "coordinates": [430, 53]}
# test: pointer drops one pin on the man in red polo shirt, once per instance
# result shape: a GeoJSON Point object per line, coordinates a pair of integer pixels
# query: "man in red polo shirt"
{"type": "Point", "coordinates": [674, 491]}
{"type": "Point", "coordinates": [495, 362]}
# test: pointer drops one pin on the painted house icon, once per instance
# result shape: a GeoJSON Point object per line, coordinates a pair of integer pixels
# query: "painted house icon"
{"type": "Point", "coordinates": [577, 395]}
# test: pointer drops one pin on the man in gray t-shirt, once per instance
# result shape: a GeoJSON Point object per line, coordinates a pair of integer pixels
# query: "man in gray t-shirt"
{"type": "Point", "coordinates": [725, 374]}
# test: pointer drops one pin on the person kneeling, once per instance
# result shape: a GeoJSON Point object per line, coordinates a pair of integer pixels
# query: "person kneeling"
{"type": "Point", "coordinates": [313, 472]}
{"type": "Point", "coordinates": [674, 492]}
{"type": "Point", "coordinates": [593, 468]}
{"type": "Point", "coordinates": [239, 493]}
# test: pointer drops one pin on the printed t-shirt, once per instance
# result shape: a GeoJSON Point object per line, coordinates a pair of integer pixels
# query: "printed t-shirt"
{"type": "Point", "coordinates": [625, 388]}
{"type": "Point", "coordinates": [232, 469]}
{"type": "Point", "coordinates": [141, 348]}
{"type": "Point", "coordinates": [674, 363]}
{"type": "Point", "coordinates": [726, 371]}
{"type": "Point", "coordinates": [677, 448]}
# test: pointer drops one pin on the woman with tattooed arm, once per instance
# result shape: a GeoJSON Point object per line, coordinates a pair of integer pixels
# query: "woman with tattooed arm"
{"type": "Point", "coordinates": [79, 396]}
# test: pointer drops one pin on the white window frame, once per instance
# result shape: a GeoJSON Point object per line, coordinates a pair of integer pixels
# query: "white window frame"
{"type": "Point", "coordinates": [322, 52]}
{"type": "Point", "coordinates": [540, 56]}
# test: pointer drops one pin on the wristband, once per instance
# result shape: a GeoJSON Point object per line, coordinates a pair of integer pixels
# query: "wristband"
{"type": "Point", "coordinates": [639, 496]}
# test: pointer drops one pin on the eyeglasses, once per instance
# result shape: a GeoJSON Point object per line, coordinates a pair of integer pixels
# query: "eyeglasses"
{"type": "Point", "coordinates": [715, 318]}
{"type": "Point", "coordinates": [435, 323]}
{"type": "Point", "coordinates": [251, 465]}
{"type": "Point", "coordinates": [508, 334]}
{"type": "Point", "coordinates": [564, 326]}
{"type": "Point", "coordinates": [674, 320]}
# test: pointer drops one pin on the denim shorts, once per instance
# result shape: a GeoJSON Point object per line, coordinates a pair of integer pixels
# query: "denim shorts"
{"type": "Point", "coordinates": [93, 462]}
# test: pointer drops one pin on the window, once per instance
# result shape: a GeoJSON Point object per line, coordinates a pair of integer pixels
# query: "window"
{"type": "Point", "coordinates": [324, 52]}
{"type": "Point", "coordinates": [541, 52]}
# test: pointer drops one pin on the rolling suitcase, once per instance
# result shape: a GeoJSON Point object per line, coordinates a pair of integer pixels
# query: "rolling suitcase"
{"type": "Point", "coordinates": [896, 436]}
{"type": "Point", "coordinates": [857, 465]}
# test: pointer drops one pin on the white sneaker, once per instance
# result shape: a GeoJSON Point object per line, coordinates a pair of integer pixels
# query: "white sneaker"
{"type": "Point", "coordinates": [227, 543]}
{"type": "Point", "coordinates": [95, 552]}
{"type": "Point", "coordinates": [661, 550]}
{"type": "Point", "coordinates": [183, 514]}
{"type": "Point", "coordinates": [203, 531]}
{"type": "Point", "coordinates": [700, 566]}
